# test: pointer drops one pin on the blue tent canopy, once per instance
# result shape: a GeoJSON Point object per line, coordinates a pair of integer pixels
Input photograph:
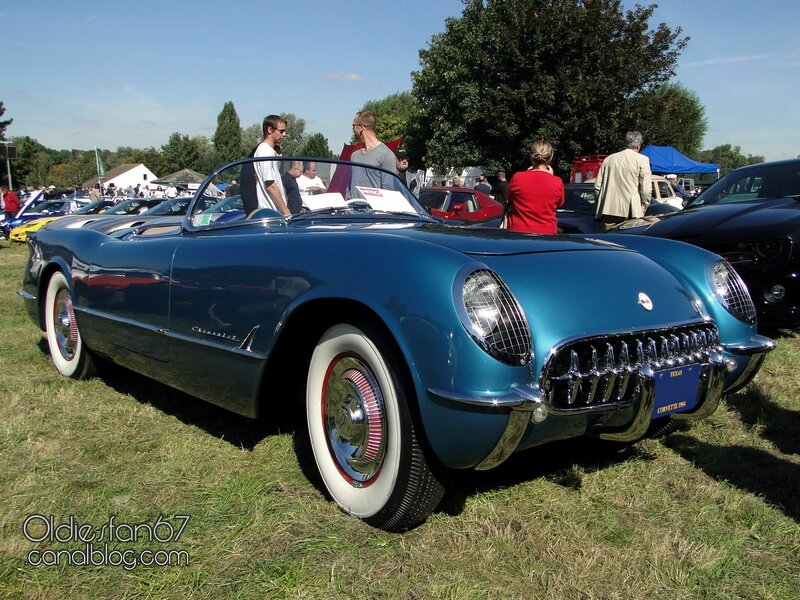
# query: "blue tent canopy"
{"type": "Point", "coordinates": [665, 159]}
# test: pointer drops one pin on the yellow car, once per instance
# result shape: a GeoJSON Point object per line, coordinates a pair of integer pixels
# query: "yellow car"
{"type": "Point", "coordinates": [21, 232]}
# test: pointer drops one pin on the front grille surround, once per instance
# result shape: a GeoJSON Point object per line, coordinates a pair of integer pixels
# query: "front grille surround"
{"type": "Point", "coordinates": [605, 372]}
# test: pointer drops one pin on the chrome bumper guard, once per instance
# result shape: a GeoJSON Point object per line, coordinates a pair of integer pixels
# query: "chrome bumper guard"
{"type": "Point", "coordinates": [527, 405]}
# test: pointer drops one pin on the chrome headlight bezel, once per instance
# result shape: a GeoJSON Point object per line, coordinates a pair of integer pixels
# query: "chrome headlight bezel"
{"type": "Point", "coordinates": [731, 292]}
{"type": "Point", "coordinates": [492, 316]}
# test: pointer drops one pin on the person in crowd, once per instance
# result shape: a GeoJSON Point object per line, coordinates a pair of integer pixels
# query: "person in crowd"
{"type": "Point", "coordinates": [500, 190]}
{"type": "Point", "coordinates": [408, 178]}
{"type": "Point", "coordinates": [482, 185]}
{"type": "Point", "coordinates": [232, 189]}
{"type": "Point", "coordinates": [677, 188]}
{"type": "Point", "coordinates": [10, 202]}
{"type": "Point", "coordinates": [269, 186]}
{"type": "Point", "coordinates": [456, 181]}
{"type": "Point", "coordinates": [171, 191]}
{"type": "Point", "coordinates": [374, 153]}
{"type": "Point", "coordinates": [623, 184]}
{"type": "Point", "coordinates": [94, 193]}
{"type": "Point", "coordinates": [289, 180]}
{"type": "Point", "coordinates": [535, 194]}
{"type": "Point", "coordinates": [309, 182]}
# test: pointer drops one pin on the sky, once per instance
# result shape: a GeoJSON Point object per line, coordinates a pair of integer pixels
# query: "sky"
{"type": "Point", "coordinates": [87, 73]}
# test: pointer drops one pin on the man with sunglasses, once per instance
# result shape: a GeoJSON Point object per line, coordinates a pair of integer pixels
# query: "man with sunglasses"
{"type": "Point", "coordinates": [269, 187]}
{"type": "Point", "coordinates": [373, 152]}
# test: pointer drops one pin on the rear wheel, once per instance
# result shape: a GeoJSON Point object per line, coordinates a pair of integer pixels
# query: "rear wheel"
{"type": "Point", "coordinates": [362, 433]}
{"type": "Point", "coordinates": [63, 338]}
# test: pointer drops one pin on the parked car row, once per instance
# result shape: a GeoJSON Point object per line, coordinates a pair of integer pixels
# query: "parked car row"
{"type": "Point", "coordinates": [415, 347]}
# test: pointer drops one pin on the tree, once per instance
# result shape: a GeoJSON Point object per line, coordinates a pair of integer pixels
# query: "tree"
{"type": "Point", "coordinates": [33, 162]}
{"type": "Point", "coordinates": [181, 152]}
{"type": "Point", "coordinates": [510, 71]}
{"type": "Point", "coordinates": [672, 115]}
{"type": "Point", "coordinates": [392, 114]}
{"type": "Point", "coordinates": [228, 135]}
{"type": "Point", "coordinates": [728, 157]}
{"type": "Point", "coordinates": [295, 134]}
{"type": "Point", "coordinates": [251, 137]}
{"type": "Point", "coordinates": [4, 124]}
{"type": "Point", "coordinates": [316, 146]}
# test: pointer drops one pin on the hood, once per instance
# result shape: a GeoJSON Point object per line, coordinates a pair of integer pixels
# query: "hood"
{"type": "Point", "coordinates": [731, 221]}
{"type": "Point", "coordinates": [500, 242]}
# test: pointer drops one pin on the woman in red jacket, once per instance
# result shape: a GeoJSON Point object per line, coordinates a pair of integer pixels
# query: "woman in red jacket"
{"type": "Point", "coordinates": [535, 194]}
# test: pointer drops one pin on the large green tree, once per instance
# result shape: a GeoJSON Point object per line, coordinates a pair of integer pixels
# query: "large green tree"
{"type": "Point", "coordinates": [510, 71]}
{"type": "Point", "coordinates": [183, 152]}
{"type": "Point", "coordinates": [228, 135]}
{"type": "Point", "coordinates": [672, 115]}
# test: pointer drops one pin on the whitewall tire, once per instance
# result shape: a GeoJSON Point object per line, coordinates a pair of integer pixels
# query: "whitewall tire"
{"type": "Point", "coordinates": [67, 350]}
{"type": "Point", "coordinates": [362, 433]}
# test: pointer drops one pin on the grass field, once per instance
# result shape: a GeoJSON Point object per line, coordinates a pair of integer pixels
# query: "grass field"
{"type": "Point", "coordinates": [711, 511]}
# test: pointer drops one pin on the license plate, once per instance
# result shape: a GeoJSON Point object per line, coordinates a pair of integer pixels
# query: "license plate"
{"type": "Point", "coordinates": [676, 390]}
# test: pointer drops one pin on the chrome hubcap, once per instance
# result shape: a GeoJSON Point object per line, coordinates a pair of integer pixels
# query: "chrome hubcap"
{"type": "Point", "coordinates": [354, 419]}
{"type": "Point", "coordinates": [65, 328]}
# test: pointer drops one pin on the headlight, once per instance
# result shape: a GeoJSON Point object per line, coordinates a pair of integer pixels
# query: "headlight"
{"type": "Point", "coordinates": [732, 292]}
{"type": "Point", "coordinates": [493, 317]}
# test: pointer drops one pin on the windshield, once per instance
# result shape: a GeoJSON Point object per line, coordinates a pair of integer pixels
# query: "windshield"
{"type": "Point", "coordinates": [579, 199]}
{"type": "Point", "coordinates": [288, 189]}
{"type": "Point", "coordinates": [93, 208]}
{"type": "Point", "coordinates": [777, 180]}
{"type": "Point", "coordinates": [133, 206]}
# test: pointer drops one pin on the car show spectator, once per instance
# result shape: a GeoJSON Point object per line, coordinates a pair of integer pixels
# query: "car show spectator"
{"type": "Point", "coordinates": [269, 186]}
{"type": "Point", "coordinates": [623, 184]}
{"type": "Point", "coordinates": [309, 182]}
{"type": "Point", "coordinates": [10, 202]}
{"type": "Point", "coordinates": [289, 180]}
{"type": "Point", "coordinates": [535, 194]}
{"type": "Point", "coordinates": [373, 152]}
{"type": "Point", "coordinates": [408, 178]}
{"type": "Point", "coordinates": [482, 185]}
{"type": "Point", "coordinates": [500, 189]}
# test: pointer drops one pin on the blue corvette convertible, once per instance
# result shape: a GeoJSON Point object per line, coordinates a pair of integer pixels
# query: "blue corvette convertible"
{"type": "Point", "coordinates": [418, 347]}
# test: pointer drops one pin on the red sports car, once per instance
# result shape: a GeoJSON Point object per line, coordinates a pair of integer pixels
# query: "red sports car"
{"type": "Point", "coordinates": [459, 203]}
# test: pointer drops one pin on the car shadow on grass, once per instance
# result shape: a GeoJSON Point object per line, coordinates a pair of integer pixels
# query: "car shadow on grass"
{"type": "Point", "coordinates": [240, 431]}
{"type": "Point", "coordinates": [765, 475]}
{"type": "Point", "coordinates": [564, 463]}
{"type": "Point", "coordinates": [780, 425]}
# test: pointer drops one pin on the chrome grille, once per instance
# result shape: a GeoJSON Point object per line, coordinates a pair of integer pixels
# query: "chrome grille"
{"type": "Point", "coordinates": [598, 372]}
{"type": "Point", "coordinates": [733, 292]}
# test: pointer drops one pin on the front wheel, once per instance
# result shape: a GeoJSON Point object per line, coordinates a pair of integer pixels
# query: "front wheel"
{"type": "Point", "coordinates": [63, 338]}
{"type": "Point", "coordinates": [362, 433]}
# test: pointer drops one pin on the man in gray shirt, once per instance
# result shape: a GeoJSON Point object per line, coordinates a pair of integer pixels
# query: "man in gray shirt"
{"type": "Point", "coordinates": [374, 153]}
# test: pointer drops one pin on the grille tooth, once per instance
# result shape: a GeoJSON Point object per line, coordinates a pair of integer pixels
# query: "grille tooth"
{"type": "Point", "coordinates": [574, 377]}
{"type": "Point", "coordinates": [674, 349]}
{"type": "Point", "coordinates": [592, 373]}
{"type": "Point", "coordinates": [626, 370]}
{"type": "Point", "coordinates": [663, 352]}
{"type": "Point", "coordinates": [609, 367]}
{"type": "Point", "coordinates": [594, 376]}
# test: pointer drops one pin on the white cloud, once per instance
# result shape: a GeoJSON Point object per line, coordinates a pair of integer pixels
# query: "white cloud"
{"type": "Point", "coordinates": [343, 77]}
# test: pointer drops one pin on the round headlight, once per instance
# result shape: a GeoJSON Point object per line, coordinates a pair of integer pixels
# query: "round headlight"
{"type": "Point", "coordinates": [769, 248]}
{"type": "Point", "coordinates": [494, 318]}
{"type": "Point", "coordinates": [731, 291]}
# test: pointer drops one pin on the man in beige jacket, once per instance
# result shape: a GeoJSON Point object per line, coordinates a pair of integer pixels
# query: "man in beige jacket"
{"type": "Point", "coordinates": [623, 184]}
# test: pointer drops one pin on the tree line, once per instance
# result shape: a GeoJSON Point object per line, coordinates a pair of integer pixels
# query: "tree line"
{"type": "Point", "coordinates": [579, 73]}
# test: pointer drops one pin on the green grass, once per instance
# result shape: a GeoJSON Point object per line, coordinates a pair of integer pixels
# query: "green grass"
{"type": "Point", "coordinates": [711, 511]}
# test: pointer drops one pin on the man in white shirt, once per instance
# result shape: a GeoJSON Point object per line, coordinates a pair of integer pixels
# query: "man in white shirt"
{"type": "Point", "coordinates": [269, 187]}
{"type": "Point", "coordinates": [309, 182]}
